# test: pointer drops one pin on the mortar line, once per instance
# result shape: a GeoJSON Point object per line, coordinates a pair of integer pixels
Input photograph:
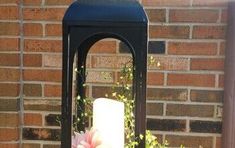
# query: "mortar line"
{"type": "Point", "coordinates": [188, 97]}
{"type": "Point", "coordinates": [188, 125]}
{"type": "Point", "coordinates": [191, 3]}
{"type": "Point", "coordinates": [214, 142]}
{"type": "Point", "coordinates": [216, 80]}
{"type": "Point", "coordinates": [220, 16]}
{"type": "Point", "coordinates": [21, 114]}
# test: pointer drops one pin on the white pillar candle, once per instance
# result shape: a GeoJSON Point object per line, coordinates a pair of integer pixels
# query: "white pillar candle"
{"type": "Point", "coordinates": [108, 119]}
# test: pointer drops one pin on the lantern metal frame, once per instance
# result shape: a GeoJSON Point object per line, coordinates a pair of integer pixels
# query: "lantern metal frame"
{"type": "Point", "coordinates": [85, 23]}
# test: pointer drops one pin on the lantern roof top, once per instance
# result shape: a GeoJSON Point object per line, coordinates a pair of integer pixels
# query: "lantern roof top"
{"type": "Point", "coordinates": [105, 11]}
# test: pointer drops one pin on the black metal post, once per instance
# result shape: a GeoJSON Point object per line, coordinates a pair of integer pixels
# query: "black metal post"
{"type": "Point", "coordinates": [66, 91]}
{"type": "Point", "coordinates": [228, 133]}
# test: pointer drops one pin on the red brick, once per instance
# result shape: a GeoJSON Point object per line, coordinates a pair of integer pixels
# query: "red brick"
{"type": "Point", "coordinates": [194, 15]}
{"type": "Point", "coordinates": [170, 63]}
{"type": "Point", "coordinates": [31, 145]}
{"type": "Point", "coordinates": [9, 134]}
{"type": "Point", "coordinates": [104, 47]}
{"type": "Point", "coordinates": [155, 78]}
{"type": "Point", "coordinates": [32, 2]}
{"type": "Point", "coordinates": [174, 32]}
{"type": "Point", "coordinates": [9, 44]}
{"type": "Point", "coordinates": [9, 13]}
{"type": "Point", "coordinates": [224, 16]}
{"type": "Point", "coordinates": [88, 61]}
{"type": "Point", "coordinates": [206, 96]}
{"type": "Point", "coordinates": [33, 29]}
{"type": "Point", "coordinates": [9, 119]}
{"type": "Point", "coordinates": [52, 60]}
{"type": "Point", "coordinates": [190, 141]}
{"type": "Point", "coordinates": [49, 14]}
{"type": "Point", "coordinates": [221, 81]}
{"type": "Point", "coordinates": [51, 146]}
{"type": "Point", "coordinates": [53, 30]}
{"type": "Point", "coordinates": [205, 126]}
{"type": "Point", "coordinates": [109, 61]}
{"type": "Point", "coordinates": [100, 91]}
{"type": "Point", "coordinates": [156, 15]}
{"type": "Point", "coordinates": [166, 3]}
{"type": "Point", "coordinates": [9, 59]}
{"type": "Point", "coordinates": [34, 90]}
{"type": "Point", "coordinates": [42, 105]}
{"type": "Point", "coordinates": [222, 48]}
{"type": "Point", "coordinates": [32, 119]}
{"type": "Point", "coordinates": [218, 142]}
{"type": "Point", "coordinates": [8, 145]}
{"type": "Point", "coordinates": [32, 60]}
{"type": "Point", "coordinates": [9, 1]}
{"type": "Point", "coordinates": [192, 48]}
{"type": "Point", "coordinates": [154, 109]}
{"type": "Point", "coordinates": [58, 2]}
{"type": "Point", "coordinates": [167, 94]}
{"type": "Point", "coordinates": [42, 75]}
{"type": "Point", "coordinates": [11, 90]}
{"type": "Point", "coordinates": [9, 28]}
{"type": "Point", "coordinates": [52, 90]}
{"type": "Point", "coordinates": [166, 125]}
{"type": "Point", "coordinates": [190, 110]}
{"type": "Point", "coordinates": [202, 80]}
{"type": "Point", "coordinates": [42, 45]}
{"type": "Point", "coordinates": [7, 74]}
{"type": "Point", "coordinates": [100, 77]}
{"type": "Point", "coordinates": [9, 105]}
{"type": "Point", "coordinates": [209, 3]}
{"type": "Point", "coordinates": [209, 32]}
{"type": "Point", "coordinates": [207, 64]}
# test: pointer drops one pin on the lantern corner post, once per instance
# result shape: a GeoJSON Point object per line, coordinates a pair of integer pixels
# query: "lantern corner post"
{"type": "Point", "coordinates": [66, 105]}
{"type": "Point", "coordinates": [140, 73]}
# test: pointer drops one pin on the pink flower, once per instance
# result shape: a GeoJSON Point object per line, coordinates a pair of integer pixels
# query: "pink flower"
{"type": "Point", "coordinates": [89, 139]}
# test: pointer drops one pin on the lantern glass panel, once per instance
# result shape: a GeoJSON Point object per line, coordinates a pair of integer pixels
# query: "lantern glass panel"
{"type": "Point", "coordinates": [109, 74]}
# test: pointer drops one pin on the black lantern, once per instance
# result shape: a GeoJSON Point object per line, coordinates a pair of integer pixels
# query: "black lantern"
{"type": "Point", "coordinates": [85, 23]}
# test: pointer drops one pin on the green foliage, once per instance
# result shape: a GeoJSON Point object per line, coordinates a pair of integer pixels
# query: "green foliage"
{"type": "Point", "coordinates": [151, 141]}
{"type": "Point", "coordinates": [122, 91]}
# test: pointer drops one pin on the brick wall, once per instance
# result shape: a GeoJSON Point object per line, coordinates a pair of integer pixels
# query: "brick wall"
{"type": "Point", "coordinates": [42, 71]}
{"type": "Point", "coordinates": [9, 74]}
{"type": "Point", "coordinates": [185, 85]}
